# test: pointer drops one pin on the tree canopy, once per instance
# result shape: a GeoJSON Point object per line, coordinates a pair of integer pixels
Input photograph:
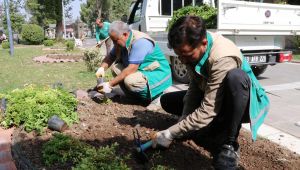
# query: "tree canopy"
{"type": "Point", "coordinates": [16, 18]}
{"type": "Point", "coordinates": [110, 10]}
{"type": "Point", "coordinates": [45, 12]}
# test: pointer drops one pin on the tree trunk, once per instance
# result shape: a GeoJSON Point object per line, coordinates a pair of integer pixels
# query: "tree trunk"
{"type": "Point", "coordinates": [59, 30]}
{"type": "Point", "coordinates": [98, 8]}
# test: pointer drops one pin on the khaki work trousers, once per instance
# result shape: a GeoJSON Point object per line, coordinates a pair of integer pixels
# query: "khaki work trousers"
{"type": "Point", "coordinates": [134, 82]}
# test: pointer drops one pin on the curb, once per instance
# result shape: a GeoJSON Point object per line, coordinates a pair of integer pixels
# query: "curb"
{"type": "Point", "coordinates": [283, 139]}
{"type": "Point", "coordinates": [295, 61]}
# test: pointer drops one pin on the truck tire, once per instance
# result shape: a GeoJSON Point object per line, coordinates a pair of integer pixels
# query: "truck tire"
{"type": "Point", "coordinates": [258, 70]}
{"type": "Point", "coordinates": [179, 70]}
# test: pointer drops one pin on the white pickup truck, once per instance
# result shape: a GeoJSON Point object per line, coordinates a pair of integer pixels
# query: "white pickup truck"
{"type": "Point", "coordinates": [258, 29]}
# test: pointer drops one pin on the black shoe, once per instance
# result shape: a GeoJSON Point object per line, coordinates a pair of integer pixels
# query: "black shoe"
{"type": "Point", "coordinates": [227, 158]}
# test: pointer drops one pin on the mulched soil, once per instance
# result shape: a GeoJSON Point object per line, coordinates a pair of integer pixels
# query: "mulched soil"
{"type": "Point", "coordinates": [104, 124]}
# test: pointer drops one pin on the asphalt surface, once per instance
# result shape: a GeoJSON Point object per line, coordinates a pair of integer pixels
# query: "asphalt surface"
{"type": "Point", "coordinates": [282, 82]}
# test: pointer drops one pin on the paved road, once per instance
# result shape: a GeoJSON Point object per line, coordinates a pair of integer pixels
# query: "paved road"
{"type": "Point", "coordinates": [282, 81]}
{"type": "Point", "coordinates": [89, 42]}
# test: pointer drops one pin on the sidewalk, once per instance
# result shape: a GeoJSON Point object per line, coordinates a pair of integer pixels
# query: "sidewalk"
{"type": "Point", "coordinates": [6, 160]}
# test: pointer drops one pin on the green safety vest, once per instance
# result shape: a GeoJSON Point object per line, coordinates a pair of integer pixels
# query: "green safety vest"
{"type": "Point", "coordinates": [158, 79]}
{"type": "Point", "coordinates": [102, 33]}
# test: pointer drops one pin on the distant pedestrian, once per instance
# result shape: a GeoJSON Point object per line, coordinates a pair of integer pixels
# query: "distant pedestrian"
{"type": "Point", "coordinates": [102, 35]}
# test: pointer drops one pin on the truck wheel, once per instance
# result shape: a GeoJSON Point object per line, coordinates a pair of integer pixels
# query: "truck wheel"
{"type": "Point", "coordinates": [179, 70]}
{"type": "Point", "coordinates": [258, 70]}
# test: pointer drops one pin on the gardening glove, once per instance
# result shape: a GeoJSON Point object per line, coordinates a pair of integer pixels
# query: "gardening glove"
{"type": "Point", "coordinates": [98, 44]}
{"type": "Point", "coordinates": [104, 88]}
{"type": "Point", "coordinates": [100, 72]}
{"type": "Point", "coordinates": [162, 138]}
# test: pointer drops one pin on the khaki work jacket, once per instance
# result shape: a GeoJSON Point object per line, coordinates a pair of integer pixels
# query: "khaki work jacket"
{"type": "Point", "coordinates": [224, 56]}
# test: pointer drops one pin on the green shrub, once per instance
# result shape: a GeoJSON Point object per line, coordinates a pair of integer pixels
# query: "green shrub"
{"type": "Point", "coordinates": [208, 13]}
{"type": "Point", "coordinates": [65, 149]}
{"type": "Point", "coordinates": [102, 158]}
{"type": "Point", "coordinates": [70, 45]}
{"type": "Point", "coordinates": [32, 106]}
{"type": "Point", "coordinates": [161, 167]}
{"type": "Point", "coordinates": [48, 43]}
{"type": "Point", "coordinates": [296, 41]}
{"type": "Point", "coordinates": [62, 148]}
{"type": "Point", "coordinates": [5, 45]}
{"type": "Point", "coordinates": [92, 58]}
{"type": "Point", "coordinates": [32, 33]}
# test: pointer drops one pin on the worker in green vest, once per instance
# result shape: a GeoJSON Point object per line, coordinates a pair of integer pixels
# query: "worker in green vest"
{"type": "Point", "coordinates": [223, 92]}
{"type": "Point", "coordinates": [102, 35]}
{"type": "Point", "coordinates": [138, 64]}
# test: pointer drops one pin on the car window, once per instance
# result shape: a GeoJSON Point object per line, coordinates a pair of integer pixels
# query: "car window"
{"type": "Point", "coordinates": [166, 7]}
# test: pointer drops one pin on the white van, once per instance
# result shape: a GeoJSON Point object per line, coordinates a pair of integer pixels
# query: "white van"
{"type": "Point", "coordinates": [258, 29]}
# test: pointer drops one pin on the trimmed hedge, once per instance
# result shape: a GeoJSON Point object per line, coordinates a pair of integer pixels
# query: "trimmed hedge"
{"type": "Point", "coordinates": [32, 33]}
{"type": "Point", "coordinates": [208, 13]}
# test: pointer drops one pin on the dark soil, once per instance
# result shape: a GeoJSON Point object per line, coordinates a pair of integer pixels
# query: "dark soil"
{"type": "Point", "coordinates": [104, 124]}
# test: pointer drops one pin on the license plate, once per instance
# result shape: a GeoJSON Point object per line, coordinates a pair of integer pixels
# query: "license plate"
{"type": "Point", "coordinates": [256, 59]}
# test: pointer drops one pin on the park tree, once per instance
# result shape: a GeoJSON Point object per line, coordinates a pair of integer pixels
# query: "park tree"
{"type": "Point", "coordinates": [17, 19]}
{"type": "Point", "coordinates": [293, 2]}
{"type": "Point", "coordinates": [106, 9]}
{"type": "Point", "coordinates": [119, 8]}
{"type": "Point", "coordinates": [38, 15]}
{"type": "Point", "coordinates": [93, 9]}
{"type": "Point", "coordinates": [45, 12]}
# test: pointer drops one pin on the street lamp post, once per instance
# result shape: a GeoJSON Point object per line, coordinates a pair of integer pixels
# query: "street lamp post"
{"type": "Point", "coordinates": [11, 41]}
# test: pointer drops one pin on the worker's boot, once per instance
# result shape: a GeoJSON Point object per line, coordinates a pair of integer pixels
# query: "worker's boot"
{"type": "Point", "coordinates": [227, 158]}
{"type": "Point", "coordinates": [154, 106]}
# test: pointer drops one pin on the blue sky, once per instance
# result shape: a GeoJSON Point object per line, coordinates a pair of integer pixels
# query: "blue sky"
{"type": "Point", "coordinates": [75, 8]}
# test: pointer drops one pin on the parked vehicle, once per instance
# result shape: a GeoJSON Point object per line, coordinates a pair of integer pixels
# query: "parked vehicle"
{"type": "Point", "coordinates": [257, 28]}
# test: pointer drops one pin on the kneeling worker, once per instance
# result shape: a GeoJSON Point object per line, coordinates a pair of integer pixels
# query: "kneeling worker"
{"type": "Point", "coordinates": [138, 64]}
{"type": "Point", "coordinates": [223, 91]}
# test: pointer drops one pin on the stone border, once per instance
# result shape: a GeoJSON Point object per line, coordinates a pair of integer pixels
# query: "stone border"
{"type": "Point", "coordinates": [21, 161]}
{"type": "Point", "coordinates": [48, 59]}
{"type": "Point", "coordinates": [54, 49]}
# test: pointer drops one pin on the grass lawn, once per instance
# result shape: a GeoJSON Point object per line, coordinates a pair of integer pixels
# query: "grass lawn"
{"type": "Point", "coordinates": [296, 56]}
{"type": "Point", "coordinates": [20, 69]}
